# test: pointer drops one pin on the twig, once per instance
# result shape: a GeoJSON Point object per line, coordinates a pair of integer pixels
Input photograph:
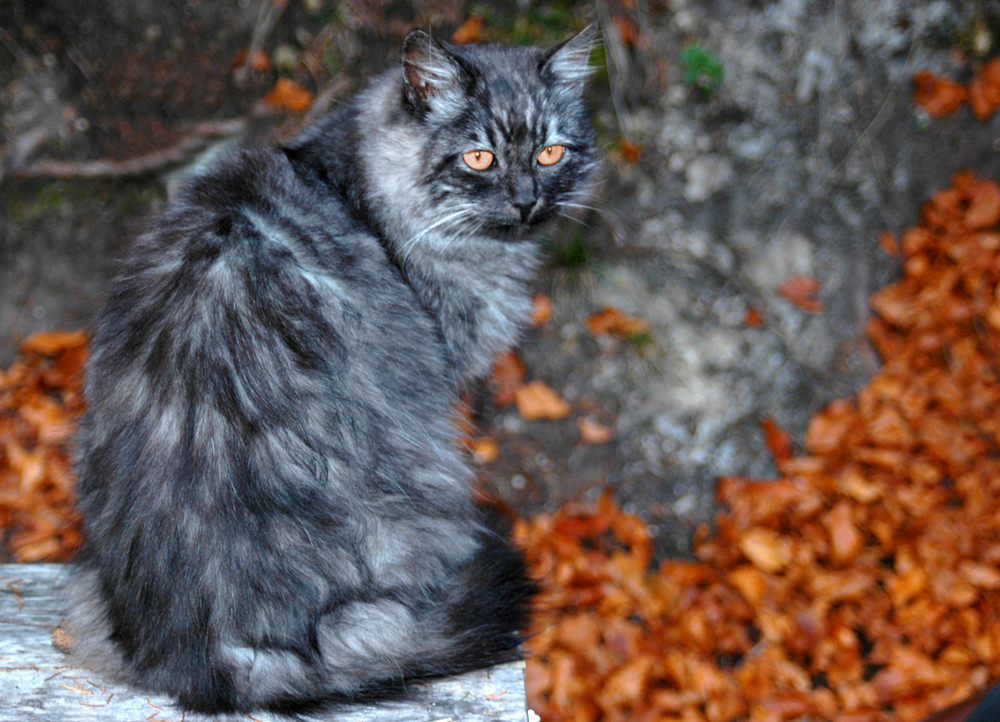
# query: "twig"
{"type": "Point", "coordinates": [142, 165]}
{"type": "Point", "coordinates": [268, 16]}
{"type": "Point", "coordinates": [12, 45]}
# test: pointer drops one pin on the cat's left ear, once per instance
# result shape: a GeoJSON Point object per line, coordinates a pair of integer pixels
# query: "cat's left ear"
{"type": "Point", "coordinates": [433, 78]}
{"type": "Point", "coordinates": [569, 62]}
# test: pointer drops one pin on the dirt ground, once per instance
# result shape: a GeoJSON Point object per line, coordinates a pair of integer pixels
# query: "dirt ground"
{"type": "Point", "coordinates": [709, 200]}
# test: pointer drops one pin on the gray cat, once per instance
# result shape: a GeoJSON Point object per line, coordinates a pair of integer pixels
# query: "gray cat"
{"type": "Point", "coordinates": [275, 508]}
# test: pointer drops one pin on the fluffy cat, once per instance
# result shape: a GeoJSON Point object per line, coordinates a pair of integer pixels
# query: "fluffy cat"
{"type": "Point", "coordinates": [275, 508]}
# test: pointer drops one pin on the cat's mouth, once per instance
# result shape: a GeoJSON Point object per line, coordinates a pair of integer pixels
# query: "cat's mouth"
{"type": "Point", "coordinates": [518, 226]}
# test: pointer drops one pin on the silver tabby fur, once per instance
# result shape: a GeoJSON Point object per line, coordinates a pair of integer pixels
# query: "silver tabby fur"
{"type": "Point", "coordinates": [275, 508]}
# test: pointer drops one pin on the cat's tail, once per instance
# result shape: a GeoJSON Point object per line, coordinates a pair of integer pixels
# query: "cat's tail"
{"type": "Point", "coordinates": [370, 648]}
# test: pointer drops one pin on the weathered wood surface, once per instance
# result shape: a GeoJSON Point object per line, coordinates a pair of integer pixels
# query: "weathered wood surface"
{"type": "Point", "coordinates": [36, 684]}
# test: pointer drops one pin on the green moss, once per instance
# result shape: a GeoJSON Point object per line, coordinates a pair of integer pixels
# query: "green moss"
{"type": "Point", "coordinates": [640, 340]}
{"type": "Point", "coordinates": [702, 70]}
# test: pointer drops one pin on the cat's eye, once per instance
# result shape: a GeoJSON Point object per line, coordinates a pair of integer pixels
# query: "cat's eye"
{"type": "Point", "coordinates": [478, 159]}
{"type": "Point", "coordinates": [551, 154]}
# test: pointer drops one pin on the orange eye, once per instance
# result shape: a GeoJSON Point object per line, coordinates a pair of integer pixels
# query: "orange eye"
{"type": "Point", "coordinates": [478, 159]}
{"type": "Point", "coordinates": [551, 155]}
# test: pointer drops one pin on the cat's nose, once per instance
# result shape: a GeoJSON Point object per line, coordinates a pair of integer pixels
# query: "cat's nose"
{"type": "Point", "coordinates": [524, 197]}
{"type": "Point", "coordinates": [526, 208]}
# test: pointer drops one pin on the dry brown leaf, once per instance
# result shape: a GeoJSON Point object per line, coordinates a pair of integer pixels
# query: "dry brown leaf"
{"type": "Point", "coordinates": [289, 96]}
{"type": "Point", "coordinates": [507, 376]}
{"type": "Point", "coordinates": [766, 549]}
{"type": "Point", "coordinates": [984, 206]}
{"type": "Point", "coordinates": [630, 152]}
{"type": "Point", "coordinates": [593, 431]}
{"type": "Point", "coordinates": [536, 400]}
{"type": "Point", "coordinates": [779, 443]}
{"type": "Point", "coordinates": [753, 318]}
{"type": "Point", "coordinates": [259, 63]}
{"type": "Point", "coordinates": [938, 96]}
{"type": "Point", "coordinates": [541, 309]}
{"type": "Point", "coordinates": [984, 90]}
{"type": "Point", "coordinates": [612, 321]}
{"type": "Point", "coordinates": [846, 539]}
{"type": "Point", "coordinates": [471, 31]}
{"type": "Point", "coordinates": [52, 343]}
{"type": "Point", "coordinates": [800, 291]}
{"type": "Point", "coordinates": [888, 243]}
{"type": "Point", "coordinates": [484, 450]}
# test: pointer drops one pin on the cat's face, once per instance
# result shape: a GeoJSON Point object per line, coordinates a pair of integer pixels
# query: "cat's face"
{"type": "Point", "coordinates": [509, 143]}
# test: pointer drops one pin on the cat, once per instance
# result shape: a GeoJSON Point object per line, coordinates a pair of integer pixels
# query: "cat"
{"type": "Point", "coordinates": [275, 507]}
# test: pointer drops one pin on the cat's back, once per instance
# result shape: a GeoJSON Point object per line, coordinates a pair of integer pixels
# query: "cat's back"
{"type": "Point", "coordinates": [256, 248]}
{"type": "Point", "coordinates": [257, 303]}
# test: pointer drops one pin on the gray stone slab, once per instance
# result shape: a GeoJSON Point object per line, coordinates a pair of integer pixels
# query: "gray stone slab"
{"type": "Point", "coordinates": [37, 684]}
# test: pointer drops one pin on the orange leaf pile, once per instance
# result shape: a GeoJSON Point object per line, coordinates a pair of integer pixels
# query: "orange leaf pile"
{"type": "Point", "coordinates": [941, 97]}
{"type": "Point", "coordinates": [861, 586]}
{"type": "Point", "coordinates": [40, 400]}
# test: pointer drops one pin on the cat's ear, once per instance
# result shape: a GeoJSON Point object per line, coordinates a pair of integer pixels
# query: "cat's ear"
{"type": "Point", "coordinates": [569, 62]}
{"type": "Point", "coordinates": [433, 78]}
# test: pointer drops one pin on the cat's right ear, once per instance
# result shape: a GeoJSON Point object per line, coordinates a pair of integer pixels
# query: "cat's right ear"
{"type": "Point", "coordinates": [433, 78]}
{"type": "Point", "coordinates": [569, 62]}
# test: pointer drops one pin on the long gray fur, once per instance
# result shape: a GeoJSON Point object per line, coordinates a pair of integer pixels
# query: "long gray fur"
{"type": "Point", "coordinates": [275, 508]}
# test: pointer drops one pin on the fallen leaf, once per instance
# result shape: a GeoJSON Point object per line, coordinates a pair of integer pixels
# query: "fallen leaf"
{"type": "Point", "coordinates": [800, 291]}
{"type": "Point", "coordinates": [289, 96]}
{"type": "Point", "coordinates": [506, 377]}
{"type": "Point", "coordinates": [471, 31]}
{"type": "Point", "coordinates": [888, 243]}
{"type": "Point", "coordinates": [541, 309]}
{"type": "Point", "coordinates": [630, 152]}
{"type": "Point", "coordinates": [984, 90]}
{"type": "Point", "coordinates": [938, 96]}
{"type": "Point", "coordinates": [766, 549]}
{"type": "Point", "coordinates": [593, 431]}
{"type": "Point", "coordinates": [536, 401]}
{"type": "Point", "coordinates": [979, 575]}
{"type": "Point", "coordinates": [846, 539]}
{"type": "Point", "coordinates": [752, 318]}
{"type": "Point", "coordinates": [612, 321]}
{"type": "Point", "coordinates": [260, 62]}
{"type": "Point", "coordinates": [984, 205]}
{"type": "Point", "coordinates": [484, 450]}
{"type": "Point", "coordinates": [50, 343]}
{"type": "Point", "coordinates": [779, 443]}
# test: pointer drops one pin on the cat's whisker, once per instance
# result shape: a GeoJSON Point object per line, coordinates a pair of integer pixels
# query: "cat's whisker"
{"type": "Point", "coordinates": [581, 206]}
{"type": "Point", "coordinates": [575, 219]}
{"type": "Point", "coordinates": [436, 224]}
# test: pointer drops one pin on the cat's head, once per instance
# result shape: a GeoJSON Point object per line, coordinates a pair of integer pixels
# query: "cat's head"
{"type": "Point", "coordinates": [507, 142]}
